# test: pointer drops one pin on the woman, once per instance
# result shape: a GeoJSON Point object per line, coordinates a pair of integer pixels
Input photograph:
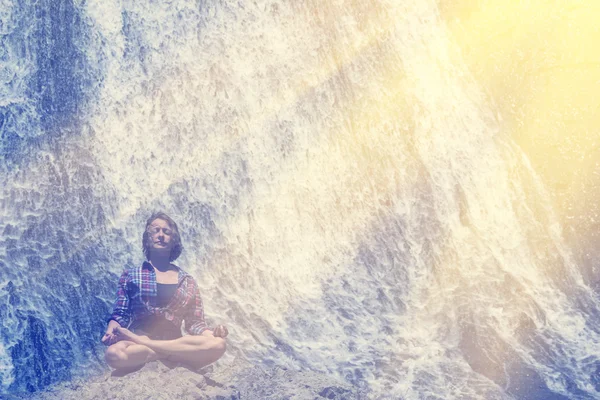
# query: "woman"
{"type": "Point", "coordinates": [153, 300]}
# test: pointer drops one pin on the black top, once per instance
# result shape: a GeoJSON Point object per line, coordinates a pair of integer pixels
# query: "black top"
{"type": "Point", "coordinates": [154, 326]}
{"type": "Point", "coordinates": [164, 293]}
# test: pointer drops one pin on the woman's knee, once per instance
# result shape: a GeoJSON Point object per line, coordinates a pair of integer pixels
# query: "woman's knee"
{"type": "Point", "coordinates": [220, 344]}
{"type": "Point", "coordinates": [114, 355]}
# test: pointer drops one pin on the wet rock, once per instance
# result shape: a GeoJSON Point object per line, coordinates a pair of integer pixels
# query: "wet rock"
{"type": "Point", "coordinates": [236, 380]}
{"type": "Point", "coordinates": [334, 392]}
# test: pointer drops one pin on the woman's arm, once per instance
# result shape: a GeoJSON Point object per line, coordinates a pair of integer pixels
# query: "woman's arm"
{"type": "Point", "coordinates": [121, 312]}
{"type": "Point", "coordinates": [194, 318]}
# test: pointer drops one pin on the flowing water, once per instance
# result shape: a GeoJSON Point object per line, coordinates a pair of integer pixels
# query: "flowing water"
{"type": "Point", "coordinates": [348, 198]}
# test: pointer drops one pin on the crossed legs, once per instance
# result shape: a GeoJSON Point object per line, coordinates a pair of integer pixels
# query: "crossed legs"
{"type": "Point", "coordinates": [135, 350]}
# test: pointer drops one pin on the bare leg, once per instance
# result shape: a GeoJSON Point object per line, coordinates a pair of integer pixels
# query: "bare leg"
{"type": "Point", "coordinates": [127, 354]}
{"type": "Point", "coordinates": [196, 351]}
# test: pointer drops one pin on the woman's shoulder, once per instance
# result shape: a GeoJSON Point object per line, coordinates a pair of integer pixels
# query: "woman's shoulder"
{"type": "Point", "coordinates": [136, 269]}
{"type": "Point", "coordinates": [183, 275]}
{"type": "Point", "coordinates": [180, 270]}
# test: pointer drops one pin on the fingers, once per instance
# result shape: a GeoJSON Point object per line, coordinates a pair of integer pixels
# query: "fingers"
{"type": "Point", "coordinates": [108, 339]}
{"type": "Point", "coordinates": [220, 331]}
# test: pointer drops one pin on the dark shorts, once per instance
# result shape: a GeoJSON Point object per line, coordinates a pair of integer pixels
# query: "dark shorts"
{"type": "Point", "coordinates": [156, 329]}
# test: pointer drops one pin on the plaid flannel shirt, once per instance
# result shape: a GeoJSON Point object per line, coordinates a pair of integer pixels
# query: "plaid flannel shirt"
{"type": "Point", "coordinates": [137, 294]}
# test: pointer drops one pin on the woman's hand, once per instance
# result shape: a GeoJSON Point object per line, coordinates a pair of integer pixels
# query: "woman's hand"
{"type": "Point", "coordinates": [221, 331]}
{"type": "Point", "coordinates": [109, 337]}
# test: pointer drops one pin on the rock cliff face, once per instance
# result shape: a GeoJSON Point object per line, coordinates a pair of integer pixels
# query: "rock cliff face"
{"type": "Point", "coordinates": [236, 380]}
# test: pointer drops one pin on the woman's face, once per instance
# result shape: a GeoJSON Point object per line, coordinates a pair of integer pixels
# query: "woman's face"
{"type": "Point", "coordinates": [161, 236]}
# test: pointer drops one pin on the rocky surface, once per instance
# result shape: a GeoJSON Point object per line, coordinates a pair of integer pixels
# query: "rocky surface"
{"type": "Point", "coordinates": [238, 380]}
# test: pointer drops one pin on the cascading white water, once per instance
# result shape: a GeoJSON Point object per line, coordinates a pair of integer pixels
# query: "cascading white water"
{"type": "Point", "coordinates": [348, 200]}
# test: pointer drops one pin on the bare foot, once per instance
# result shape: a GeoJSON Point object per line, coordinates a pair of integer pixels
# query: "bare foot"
{"type": "Point", "coordinates": [126, 334]}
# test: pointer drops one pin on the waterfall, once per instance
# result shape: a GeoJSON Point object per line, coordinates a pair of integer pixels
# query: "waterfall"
{"type": "Point", "coordinates": [348, 199]}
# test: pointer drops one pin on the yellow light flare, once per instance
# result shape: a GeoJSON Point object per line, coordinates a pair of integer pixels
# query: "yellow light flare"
{"type": "Point", "coordinates": [539, 62]}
